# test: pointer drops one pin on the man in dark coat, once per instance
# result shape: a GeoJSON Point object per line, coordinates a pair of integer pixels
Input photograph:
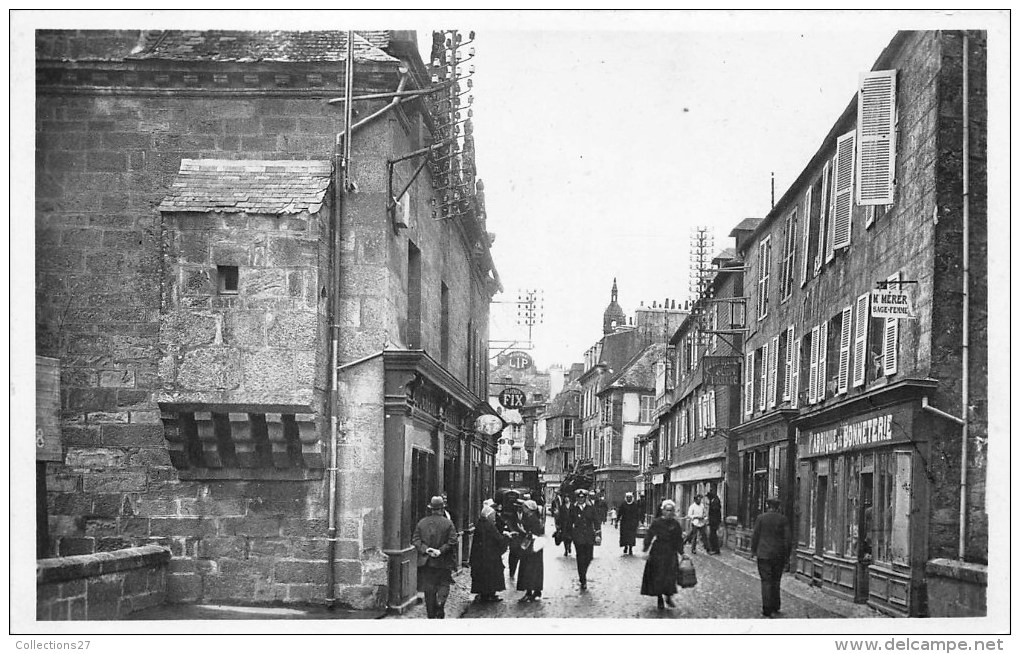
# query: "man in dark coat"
{"type": "Point", "coordinates": [563, 523]}
{"type": "Point", "coordinates": [435, 538]}
{"type": "Point", "coordinates": [629, 515]}
{"type": "Point", "coordinates": [586, 528]}
{"type": "Point", "coordinates": [770, 544]}
{"type": "Point", "coordinates": [714, 520]}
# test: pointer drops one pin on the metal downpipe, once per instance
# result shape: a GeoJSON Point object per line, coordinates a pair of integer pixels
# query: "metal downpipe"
{"type": "Point", "coordinates": [965, 381]}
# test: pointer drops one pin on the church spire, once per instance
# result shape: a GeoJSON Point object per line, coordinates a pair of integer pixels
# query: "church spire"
{"type": "Point", "coordinates": [613, 298]}
{"type": "Point", "coordinates": [614, 316]}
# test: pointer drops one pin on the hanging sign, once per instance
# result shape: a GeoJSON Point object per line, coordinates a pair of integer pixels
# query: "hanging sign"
{"type": "Point", "coordinates": [887, 303]}
{"type": "Point", "coordinates": [511, 398]}
{"type": "Point", "coordinates": [722, 371]}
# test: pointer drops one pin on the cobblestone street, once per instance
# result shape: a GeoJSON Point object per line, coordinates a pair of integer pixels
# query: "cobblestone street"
{"type": "Point", "coordinates": [728, 587]}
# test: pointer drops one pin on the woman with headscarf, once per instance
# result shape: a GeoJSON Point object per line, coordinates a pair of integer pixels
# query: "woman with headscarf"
{"type": "Point", "coordinates": [486, 559]}
{"type": "Point", "coordinates": [665, 537]}
{"type": "Point", "coordinates": [532, 571]}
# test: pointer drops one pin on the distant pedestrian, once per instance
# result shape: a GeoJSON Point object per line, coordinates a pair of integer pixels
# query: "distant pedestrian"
{"type": "Point", "coordinates": [770, 544]}
{"type": "Point", "coordinates": [714, 520]}
{"type": "Point", "coordinates": [586, 529]}
{"type": "Point", "coordinates": [665, 538]}
{"type": "Point", "coordinates": [563, 526]}
{"type": "Point", "coordinates": [612, 516]}
{"type": "Point", "coordinates": [435, 539]}
{"type": "Point", "coordinates": [486, 559]}
{"type": "Point", "coordinates": [698, 517]}
{"type": "Point", "coordinates": [532, 570]}
{"type": "Point", "coordinates": [629, 516]}
{"type": "Point", "coordinates": [602, 508]}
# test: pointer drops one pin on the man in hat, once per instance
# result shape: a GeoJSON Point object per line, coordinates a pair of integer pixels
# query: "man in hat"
{"type": "Point", "coordinates": [586, 529]}
{"type": "Point", "coordinates": [435, 538]}
{"type": "Point", "coordinates": [629, 515]}
{"type": "Point", "coordinates": [512, 515]}
{"type": "Point", "coordinates": [714, 519]}
{"type": "Point", "coordinates": [770, 544]}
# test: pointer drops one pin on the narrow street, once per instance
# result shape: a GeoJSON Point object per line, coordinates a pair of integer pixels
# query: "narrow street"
{"type": "Point", "coordinates": [728, 587]}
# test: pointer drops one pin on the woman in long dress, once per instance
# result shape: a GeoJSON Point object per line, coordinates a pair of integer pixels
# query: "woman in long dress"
{"type": "Point", "coordinates": [665, 538]}
{"type": "Point", "coordinates": [532, 570]}
{"type": "Point", "coordinates": [487, 557]}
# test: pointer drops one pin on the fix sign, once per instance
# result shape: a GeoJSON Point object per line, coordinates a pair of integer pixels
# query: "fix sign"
{"type": "Point", "coordinates": [887, 303]}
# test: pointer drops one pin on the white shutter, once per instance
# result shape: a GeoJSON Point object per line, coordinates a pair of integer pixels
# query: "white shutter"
{"type": "Point", "coordinates": [861, 339]}
{"type": "Point", "coordinates": [823, 346]}
{"type": "Point", "coordinates": [876, 137]}
{"type": "Point", "coordinates": [890, 344]}
{"type": "Point", "coordinates": [773, 370]}
{"type": "Point", "coordinates": [763, 400]}
{"type": "Point", "coordinates": [711, 407]}
{"type": "Point", "coordinates": [749, 383]}
{"type": "Point", "coordinates": [807, 238]}
{"type": "Point", "coordinates": [823, 217]}
{"type": "Point", "coordinates": [844, 349]}
{"type": "Point", "coordinates": [831, 236]}
{"type": "Point", "coordinates": [788, 378]}
{"type": "Point", "coordinates": [795, 390]}
{"type": "Point", "coordinates": [813, 370]}
{"type": "Point", "coordinates": [764, 265]}
{"type": "Point", "coordinates": [843, 197]}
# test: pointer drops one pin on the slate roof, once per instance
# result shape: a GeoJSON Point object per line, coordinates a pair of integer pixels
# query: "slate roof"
{"type": "Point", "coordinates": [259, 186]}
{"type": "Point", "coordinates": [247, 46]}
{"type": "Point", "coordinates": [749, 224]}
{"type": "Point", "coordinates": [639, 372]}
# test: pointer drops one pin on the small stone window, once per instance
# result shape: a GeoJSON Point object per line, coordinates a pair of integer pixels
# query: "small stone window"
{"type": "Point", "coordinates": [226, 277]}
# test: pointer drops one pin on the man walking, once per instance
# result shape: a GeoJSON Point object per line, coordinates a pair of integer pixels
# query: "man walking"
{"type": "Point", "coordinates": [714, 520]}
{"type": "Point", "coordinates": [770, 544]}
{"type": "Point", "coordinates": [697, 515]}
{"type": "Point", "coordinates": [586, 528]}
{"type": "Point", "coordinates": [435, 538]}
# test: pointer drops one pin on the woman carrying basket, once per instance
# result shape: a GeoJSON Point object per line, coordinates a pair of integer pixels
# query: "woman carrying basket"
{"type": "Point", "coordinates": [665, 539]}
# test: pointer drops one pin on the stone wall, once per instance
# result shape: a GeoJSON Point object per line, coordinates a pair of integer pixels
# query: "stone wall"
{"type": "Point", "coordinates": [104, 586]}
{"type": "Point", "coordinates": [956, 589]}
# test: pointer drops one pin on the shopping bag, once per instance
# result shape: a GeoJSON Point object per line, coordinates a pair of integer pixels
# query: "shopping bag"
{"type": "Point", "coordinates": [557, 537]}
{"type": "Point", "coordinates": [526, 543]}
{"type": "Point", "coordinates": [537, 543]}
{"type": "Point", "coordinates": [687, 577]}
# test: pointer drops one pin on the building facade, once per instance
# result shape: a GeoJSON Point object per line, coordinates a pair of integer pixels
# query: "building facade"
{"type": "Point", "coordinates": [872, 428]}
{"type": "Point", "coordinates": [271, 353]}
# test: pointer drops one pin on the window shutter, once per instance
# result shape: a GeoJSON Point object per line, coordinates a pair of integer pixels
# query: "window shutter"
{"type": "Point", "coordinates": [711, 407]}
{"type": "Point", "coordinates": [795, 390]}
{"type": "Point", "coordinates": [764, 265]}
{"type": "Point", "coordinates": [876, 137]}
{"type": "Point", "coordinates": [843, 197]}
{"type": "Point", "coordinates": [807, 238]}
{"type": "Point", "coordinates": [813, 370]}
{"type": "Point", "coordinates": [773, 370]}
{"type": "Point", "coordinates": [861, 339]}
{"type": "Point", "coordinates": [823, 346]}
{"type": "Point", "coordinates": [788, 378]}
{"type": "Point", "coordinates": [890, 344]}
{"type": "Point", "coordinates": [749, 383]}
{"type": "Point", "coordinates": [823, 217]}
{"type": "Point", "coordinates": [844, 349]}
{"type": "Point", "coordinates": [831, 199]}
{"type": "Point", "coordinates": [763, 400]}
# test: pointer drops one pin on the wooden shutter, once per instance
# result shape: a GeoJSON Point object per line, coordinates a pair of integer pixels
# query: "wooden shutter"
{"type": "Point", "coordinates": [843, 196]}
{"type": "Point", "coordinates": [844, 349]}
{"type": "Point", "coordinates": [763, 400]}
{"type": "Point", "coordinates": [823, 217]}
{"type": "Point", "coordinates": [764, 265]}
{"type": "Point", "coordinates": [807, 238]}
{"type": "Point", "coordinates": [830, 236]}
{"type": "Point", "coordinates": [813, 370]}
{"type": "Point", "coordinates": [749, 383]}
{"type": "Point", "coordinates": [890, 343]}
{"type": "Point", "coordinates": [876, 137]}
{"type": "Point", "coordinates": [711, 407]}
{"type": "Point", "coordinates": [861, 339]}
{"type": "Point", "coordinates": [823, 346]}
{"type": "Point", "coordinates": [788, 377]}
{"type": "Point", "coordinates": [773, 370]}
{"type": "Point", "coordinates": [795, 390]}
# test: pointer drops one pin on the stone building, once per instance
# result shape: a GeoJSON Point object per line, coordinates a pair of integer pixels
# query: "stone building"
{"type": "Point", "coordinates": [562, 424]}
{"type": "Point", "coordinates": [872, 429]}
{"type": "Point", "coordinates": [237, 314]}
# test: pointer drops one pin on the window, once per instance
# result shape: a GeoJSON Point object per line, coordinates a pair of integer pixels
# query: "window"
{"type": "Point", "coordinates": [764, 267]}
{"type": "Point", "coordinates": [647, 407]}
{"type": "Point", "coordinates": [844, 185]}
{"type": "Point", "coordinates": [788, 361]}
{"type": "Point", "coordinates": [749, 378]}
{"type": "Point", "coordinates": [789, 251]}
{"type": "Point", "coordinates": [773, 371]}
{"type": "Point", "coordinates": [761, 361]}
{"type": "Point", "coordinates": [413, 296]}
{"type": "Point", "coordinates": [890, 519]}
{"type": "Point", "coordinates": [607, 410]}
{"type": "Point", "coordinates": [444, 324]}
{"type": "Point", "coordinates": [845, 324]}
{"type": "Point", "coordinates": [226, 280]}
{"type": "Point", "coordinates": [813, 374]}
{"type": "Point", "coordinates": [876, 137]}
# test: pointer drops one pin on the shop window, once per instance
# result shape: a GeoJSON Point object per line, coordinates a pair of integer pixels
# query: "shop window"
{"type": "Point", "coordinates": [422, 485]}
{"type": "Point", "coordinates": [833, 541]}
{"type": "Point", "coordinates": [891, 510]}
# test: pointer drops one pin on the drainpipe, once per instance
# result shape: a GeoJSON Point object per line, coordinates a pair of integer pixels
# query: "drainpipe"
{"type": "Point", "coordinates": [342, 161]}
{"type": "Point", "coordinates": [965, 382]}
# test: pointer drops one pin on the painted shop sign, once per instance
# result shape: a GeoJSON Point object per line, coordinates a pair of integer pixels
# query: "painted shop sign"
{"type": "Point", "coordinates": [770, 435]}
{"type": "Point", "coordinates": [891, 304]}
{"type": "Point", "coordinates": [722, 371]}
{"type": "Point", "coordinates": [872, 430]}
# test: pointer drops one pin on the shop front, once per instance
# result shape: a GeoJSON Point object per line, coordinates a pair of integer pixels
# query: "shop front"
{"type": "Point", "coordinates": [862, 498]}
{"type": "Point", "coordinates": [656, 490]}
{"type": "Point", "coordinates": [767, 452]}
{"type": "Point", "coordinates": [691, 478]}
